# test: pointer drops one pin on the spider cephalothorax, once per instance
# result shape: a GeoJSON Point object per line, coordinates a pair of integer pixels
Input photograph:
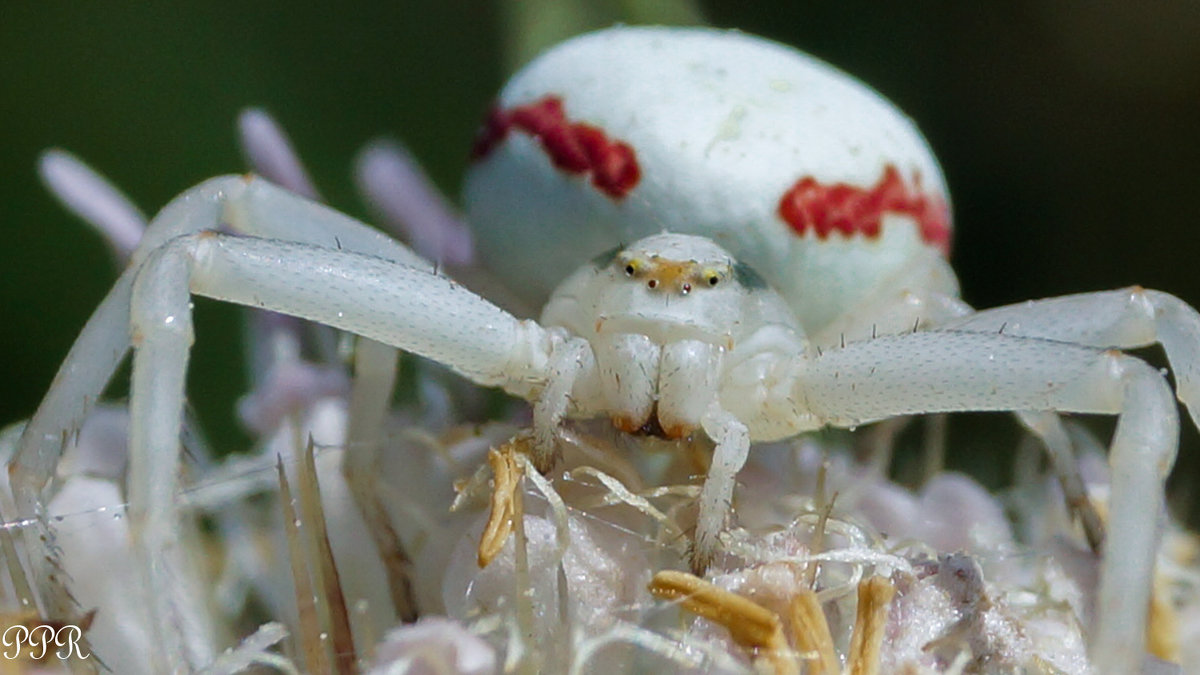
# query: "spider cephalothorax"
{"type": "Point", "coordinates": [667, 320]}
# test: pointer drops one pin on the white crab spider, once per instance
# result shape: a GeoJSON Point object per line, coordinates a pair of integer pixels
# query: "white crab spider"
{"type": "Point", "coordinates": [673, 333]}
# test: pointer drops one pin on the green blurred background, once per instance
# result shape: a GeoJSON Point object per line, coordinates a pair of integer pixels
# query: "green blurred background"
{"type": "Point", "coordinates": [1068, 132]}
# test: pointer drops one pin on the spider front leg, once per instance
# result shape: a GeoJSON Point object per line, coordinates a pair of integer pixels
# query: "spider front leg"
{"type": "Point", "coordinates": [394, 304]}
{"type": "Point", "coordinates": [946, 371]}
{"type": "Point", "coordinates": [162, 266]}
{"type": "Point", "coordinates": [1123, 319]}
{"type": "Point", "coordinates": [247, 205]}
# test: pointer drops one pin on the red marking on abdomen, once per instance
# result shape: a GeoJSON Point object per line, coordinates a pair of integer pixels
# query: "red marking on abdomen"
{"type": "Point", "coordinates": [825, 209]}
{"type": "Point", "coordinates": [574, 147]}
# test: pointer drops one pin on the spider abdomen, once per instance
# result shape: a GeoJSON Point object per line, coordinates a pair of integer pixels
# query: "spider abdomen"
{"type": "Point", "coordinates": [794, 167]}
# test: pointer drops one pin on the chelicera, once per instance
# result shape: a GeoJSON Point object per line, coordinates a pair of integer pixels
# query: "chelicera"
{"type": "Point", "coordinates": [776, 236]}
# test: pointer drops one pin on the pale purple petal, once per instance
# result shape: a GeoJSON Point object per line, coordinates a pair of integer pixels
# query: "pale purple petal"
{"type": "Point", "coordinates": [88, 195]}
{"type": "Point", "coordinates": [393, 183]}
{"type": "Point", "coordinates": [288, 388]}
{"type": "Point", "coordinates": [270, 154]}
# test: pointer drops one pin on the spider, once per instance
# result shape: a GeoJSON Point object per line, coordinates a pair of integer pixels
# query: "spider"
{"type": "Point", "coordinates": [753, 246]}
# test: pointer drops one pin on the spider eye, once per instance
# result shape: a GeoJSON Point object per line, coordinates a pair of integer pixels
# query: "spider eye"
{"type": "Point", "coordinates": [629, 270]}
{"type": "Point", "coordinates": [714, 280]}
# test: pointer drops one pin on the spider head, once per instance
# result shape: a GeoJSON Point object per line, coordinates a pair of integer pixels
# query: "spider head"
{"type": "Point", "coordinates": [673, 266]}
{"type": "Point", "coordinates": [666, 286]}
